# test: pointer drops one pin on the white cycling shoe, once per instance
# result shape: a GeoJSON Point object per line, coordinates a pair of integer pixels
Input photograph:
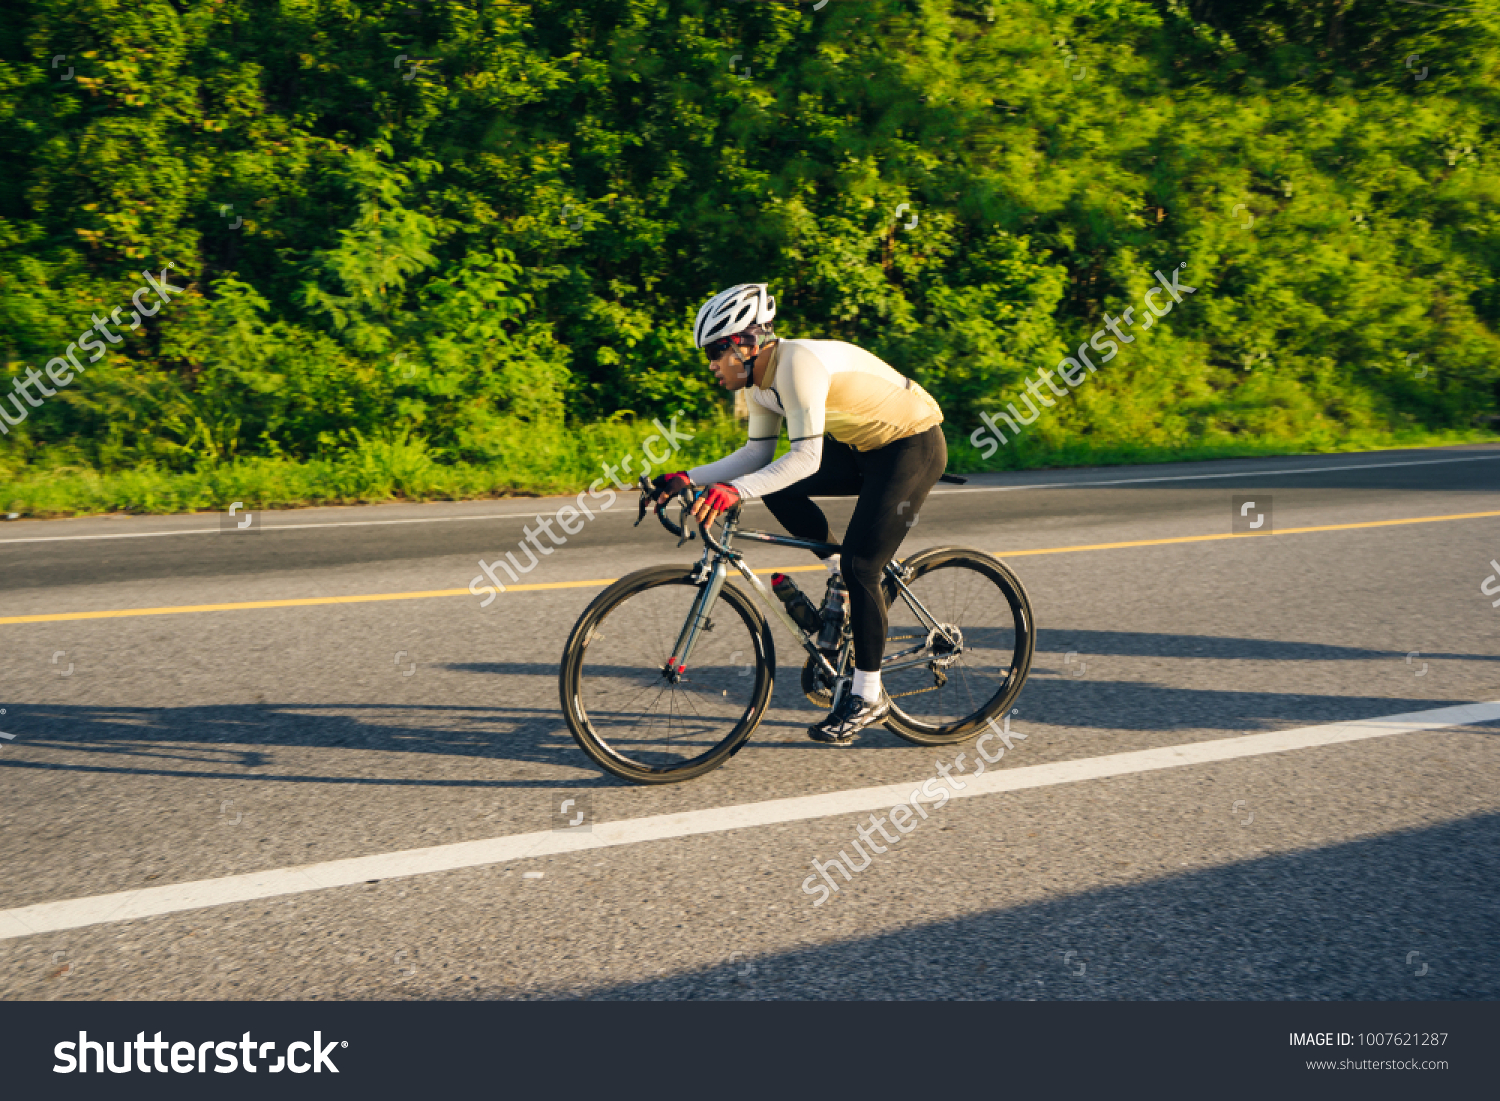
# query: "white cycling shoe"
{"type": "Point", "coordinates": [846, 720]}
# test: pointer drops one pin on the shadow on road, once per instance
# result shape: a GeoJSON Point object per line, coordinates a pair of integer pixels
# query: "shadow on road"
{"type": "Point", "coordinates": [1052, 643]}
{"type": "Point", "coordinates": [232, 741]}
{"type": "Point", "coordinates": [1412, 915]}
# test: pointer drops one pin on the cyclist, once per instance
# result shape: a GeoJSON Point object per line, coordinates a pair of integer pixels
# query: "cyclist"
{"type": "Point", "coordinates": [857, 428]}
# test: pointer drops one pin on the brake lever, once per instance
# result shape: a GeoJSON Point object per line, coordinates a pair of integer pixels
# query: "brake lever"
{"type": "Point", "coordinates": [645, 488]}
{"type": "Point", "coordinates": [688, 535]}
{"type": "Point", "coordinates": [660, 509]}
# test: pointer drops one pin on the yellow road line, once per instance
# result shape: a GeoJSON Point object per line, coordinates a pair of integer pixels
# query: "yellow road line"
{"type": "Point", "coordinates": [299, 603]}
{"type": "Point", "coordinates": [367, 598]}
{"type": "Point", "coordinates": [1253, 534]}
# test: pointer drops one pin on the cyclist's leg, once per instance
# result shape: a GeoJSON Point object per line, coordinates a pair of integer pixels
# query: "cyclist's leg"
{"type": "Point", "coordinates": [838, 475]}
{"type": "Point", "coordinates": [897, 479]}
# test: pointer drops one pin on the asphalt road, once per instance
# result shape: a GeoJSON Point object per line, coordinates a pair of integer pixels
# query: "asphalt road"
{"type": "Point", "coordinates": [152, 750]}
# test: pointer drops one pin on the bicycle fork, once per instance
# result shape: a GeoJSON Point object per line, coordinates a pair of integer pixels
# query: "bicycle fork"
{"type": "Point", "coordinates": [698, 618]}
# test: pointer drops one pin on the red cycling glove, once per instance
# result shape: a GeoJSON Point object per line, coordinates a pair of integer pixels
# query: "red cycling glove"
{"type": "Point", "coordinates": [718, 498]}
{"type": "Point", "coordinates": [667, 486]}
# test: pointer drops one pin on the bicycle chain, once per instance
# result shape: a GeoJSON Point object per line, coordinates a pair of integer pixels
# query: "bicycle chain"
{"type": "Point", "coordinates": [914, 691]}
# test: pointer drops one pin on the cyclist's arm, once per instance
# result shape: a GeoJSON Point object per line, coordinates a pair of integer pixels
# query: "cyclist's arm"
{"type": "Point", "coordinates": [765, 426]}
{"type": "Point", "coordinates": [802, 383]}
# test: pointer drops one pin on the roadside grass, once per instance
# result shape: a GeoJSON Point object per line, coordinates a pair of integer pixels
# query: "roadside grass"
{"type": "Point", "coordinates": [1027, 454]}
{"type": "Point", "coordinates": [543, 461]}
{"type": "Point", "coordinates": [533, 462]}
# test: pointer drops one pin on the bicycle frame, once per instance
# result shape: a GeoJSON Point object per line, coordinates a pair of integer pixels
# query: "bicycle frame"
{"type": "Point", "coordinates": [713, 568]}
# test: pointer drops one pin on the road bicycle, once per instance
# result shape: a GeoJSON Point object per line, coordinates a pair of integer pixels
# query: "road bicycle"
{"type": "Point", "coordinates": [669, 670]}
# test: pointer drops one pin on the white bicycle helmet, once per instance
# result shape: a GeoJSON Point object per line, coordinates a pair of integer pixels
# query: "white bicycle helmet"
{"type": "Point", "coordinates": [733, 311]}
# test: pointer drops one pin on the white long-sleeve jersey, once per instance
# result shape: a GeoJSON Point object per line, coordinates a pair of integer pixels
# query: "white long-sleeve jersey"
{"type": "Point", "coordinates": [819, 386]}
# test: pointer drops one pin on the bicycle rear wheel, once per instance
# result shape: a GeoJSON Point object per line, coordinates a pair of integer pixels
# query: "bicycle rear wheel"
{"type": "Point", "coordinates": [950, 697]}
{"type": "Point", "coordinates": [620, 701]}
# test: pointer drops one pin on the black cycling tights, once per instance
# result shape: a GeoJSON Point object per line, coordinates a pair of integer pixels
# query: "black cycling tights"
{"type": "Point", "coordinates": [891, 483]}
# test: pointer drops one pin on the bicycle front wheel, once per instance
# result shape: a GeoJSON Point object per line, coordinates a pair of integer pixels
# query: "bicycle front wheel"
{"type": "Point", "coordinates": [619, 697]}
{"type": "Point", "coordinates": [974, 670]}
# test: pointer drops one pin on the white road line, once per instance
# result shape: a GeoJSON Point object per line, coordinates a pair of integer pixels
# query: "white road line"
{"type": "Point", "coordinates": [75, 913]}
{"type": "Point", "coordinates": [272, 527]}
{"type": "Point", "coordinates": [1266, 473]}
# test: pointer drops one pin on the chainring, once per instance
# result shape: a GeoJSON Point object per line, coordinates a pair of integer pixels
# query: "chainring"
{"type": "Point", "coordinates": [816, 685]}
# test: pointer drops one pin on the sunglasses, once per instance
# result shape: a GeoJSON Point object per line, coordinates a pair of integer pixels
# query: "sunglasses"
{"type": "Point", "coordinates": [719, 347]}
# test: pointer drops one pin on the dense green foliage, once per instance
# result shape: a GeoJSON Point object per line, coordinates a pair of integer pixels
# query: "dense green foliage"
{"type": "Point", "coordinates": [468, 226]}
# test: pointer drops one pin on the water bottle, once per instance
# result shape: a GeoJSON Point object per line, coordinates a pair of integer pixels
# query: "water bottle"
{"type": "Point", "coordinates": [803, 611]}
{"type": "Point", "coordinates": [835, 612]}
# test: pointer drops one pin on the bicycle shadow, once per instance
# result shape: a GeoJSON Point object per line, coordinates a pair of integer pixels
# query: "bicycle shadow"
{"type": "Point", "coordinates": [240, 741]}
{"type": "Point", "coordinates": [236, 741]}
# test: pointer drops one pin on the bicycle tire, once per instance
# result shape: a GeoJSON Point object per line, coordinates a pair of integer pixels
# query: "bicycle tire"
{"type": "Point", "coordinates": [572, 674]}
{"type": "Point", "coordinates": [1009, 585]}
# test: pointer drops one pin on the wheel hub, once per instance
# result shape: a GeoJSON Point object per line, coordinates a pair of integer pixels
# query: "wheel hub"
{"type": "Point", "coordinates": [946, 642]}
